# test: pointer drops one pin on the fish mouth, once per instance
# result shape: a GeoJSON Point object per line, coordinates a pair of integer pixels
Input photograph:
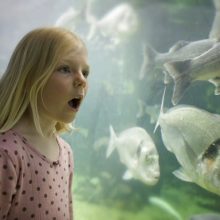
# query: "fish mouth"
{"type": "Point", "coordinates": [75, 102]}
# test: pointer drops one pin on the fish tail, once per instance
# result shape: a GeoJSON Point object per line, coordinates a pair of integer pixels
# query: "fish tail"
{"type": "Point", "coordinates": [111, 145]}
{"type": "Point", "coordinates": [149, 55]}
{"type": "Point", "coordinates": [92, 31]}
{"type": "Point", "coordinates": [178, 71]}
{"type": "Point", "coordinates": [91, 20]}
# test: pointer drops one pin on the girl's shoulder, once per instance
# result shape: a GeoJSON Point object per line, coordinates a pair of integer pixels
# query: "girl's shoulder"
{"type": "Point", "coordinates": [64, 144]}
{"type": "Point", "coordinates": [10, 143]}
{"type": "Point", "coordinates": [11, 148]}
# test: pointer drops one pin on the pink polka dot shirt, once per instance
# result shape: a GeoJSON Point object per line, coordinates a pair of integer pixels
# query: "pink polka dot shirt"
{"type": "Point", "coordinates": [32, 186]}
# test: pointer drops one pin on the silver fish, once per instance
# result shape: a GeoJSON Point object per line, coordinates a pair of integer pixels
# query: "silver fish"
{"type": "Point", "coordinates": [207, 216]}
{"type": "Point", "coordinates": [138, 153]}
{"type": "Point", "coordinates": [205, 67]}
{"type": "Point", "coordinates": [119, 21]}
{"type": "Point", "coordinates": [76, 20]}
{"type": "Point", "coordinates": [181, 50]}
{"type": "Point", "coordinates": [193, 136]}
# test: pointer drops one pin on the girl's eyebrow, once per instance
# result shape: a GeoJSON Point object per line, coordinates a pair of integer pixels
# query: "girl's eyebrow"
{"type": "Point", "coordinates": [72, 63]}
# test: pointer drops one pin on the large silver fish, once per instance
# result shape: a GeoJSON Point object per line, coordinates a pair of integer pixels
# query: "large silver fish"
{"type": "Point", "coordinates": [207, 216]}
{"type": "Point", "coordinates": [193, 135]}
{"type": "Point", "coordinates": [182, 50]}
{"type": "Point", "coordinates": [205, 67]}
{"type": "Point", "coordinates": [138, 153]}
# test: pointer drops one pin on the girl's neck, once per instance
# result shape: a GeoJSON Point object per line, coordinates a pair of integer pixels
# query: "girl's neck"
{"type": "Point", "coordinates": [27, 127]}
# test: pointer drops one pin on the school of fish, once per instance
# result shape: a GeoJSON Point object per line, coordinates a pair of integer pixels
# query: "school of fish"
{"type": "Point", "coordinates": [190, 133]}
{"type": "Point", "coordinates": [195, 145]}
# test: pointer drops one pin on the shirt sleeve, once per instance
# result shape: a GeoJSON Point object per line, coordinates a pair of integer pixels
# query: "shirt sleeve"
{"type": "Point", "coordinates": [8, 180]}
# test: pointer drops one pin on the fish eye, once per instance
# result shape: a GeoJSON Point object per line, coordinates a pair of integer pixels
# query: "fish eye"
{"type": "Point", "coordinates": [212, 151]}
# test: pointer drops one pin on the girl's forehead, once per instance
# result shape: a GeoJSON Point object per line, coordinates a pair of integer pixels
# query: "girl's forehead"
{"type": "Point", "coordinates": [75, 56]}
{"type": "Point", "coordinates": [74, 53]}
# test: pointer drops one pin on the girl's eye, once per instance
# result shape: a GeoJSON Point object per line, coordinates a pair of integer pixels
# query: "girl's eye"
{"type": "Point", "coordinates": [64, 69]}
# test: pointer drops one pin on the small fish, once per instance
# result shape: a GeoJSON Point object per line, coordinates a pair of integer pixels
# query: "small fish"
{"type": "Point", "coordinates": [74, 19]}
{"type": "Point", "coordinates": [119, 21]}
{"type": "Point", "coordinates": [167, 207]}
{"type": "Point", "coordinates": [138, 153]}
{"type": "Point", "coordinates": [205, 67]}
{"type": "Point", "coordinates": [181, 50]}
{"type": "Point", "coordinates": [207, 216]}
{"type": "Point", "coordinates": [192, 134]}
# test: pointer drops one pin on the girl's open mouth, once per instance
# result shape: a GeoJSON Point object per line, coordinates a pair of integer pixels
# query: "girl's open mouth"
{"type": "Point", "coordinates": [75, 103]}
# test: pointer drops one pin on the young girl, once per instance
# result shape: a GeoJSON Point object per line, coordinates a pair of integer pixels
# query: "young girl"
{"type": "Point", "coordinates": [40, 93]}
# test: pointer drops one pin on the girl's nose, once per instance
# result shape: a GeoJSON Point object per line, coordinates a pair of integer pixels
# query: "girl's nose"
{"type": "Point", "coordinates": [79, 80]}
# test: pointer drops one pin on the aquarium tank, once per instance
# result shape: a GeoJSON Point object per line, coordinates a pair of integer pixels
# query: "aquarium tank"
{"type": "Point", "coordinates": [129, 44]}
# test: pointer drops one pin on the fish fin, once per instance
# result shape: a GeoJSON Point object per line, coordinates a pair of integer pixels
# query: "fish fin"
{"type": "Point", "coordinates": [181, 80]}
{"type": "Point", "coordinates": [178, 45]}
{"type": "Point", "coordinates": [161, 109]}
{"type": "Point", "coordinates": [167, 77]}
{"type": "Point", "coordinates": [92, 21]}
{"type": "Point", "coordinates": [127, 175]}
{"type": "Point", "coordinates": [216, 82]}
{"type": "Point", "coordinates": [92, 31]}
{"type": "Point", "coordinates": [177, 68]}
{"type": "Point", "coordinates": [180, 87]}
{"type": "Point", "coordinates": [149, 55]}
{"type": "Point", "coordinates": [180, 174]}
{"type": "Point", "coordinates": [111, 145]}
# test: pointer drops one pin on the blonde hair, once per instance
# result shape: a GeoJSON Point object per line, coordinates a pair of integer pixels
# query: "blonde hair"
{"type": "Point", "coordinates": [32, 63]}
